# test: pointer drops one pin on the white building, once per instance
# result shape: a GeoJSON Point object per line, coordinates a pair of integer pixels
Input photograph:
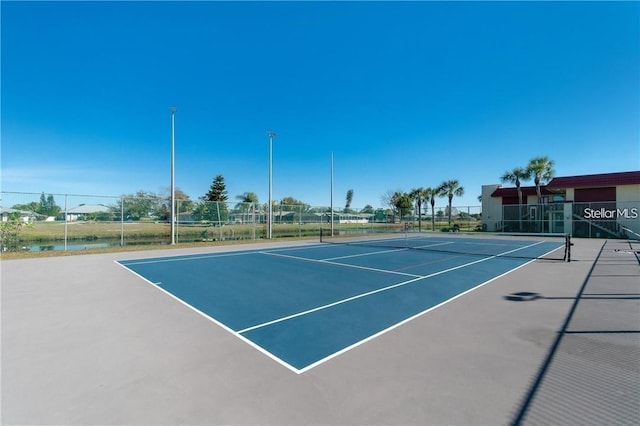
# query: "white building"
{"type": "Point", "coordinates": [595, 206]}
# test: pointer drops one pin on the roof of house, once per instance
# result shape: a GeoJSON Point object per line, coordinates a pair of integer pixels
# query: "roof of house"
{"type": "Point", "coordinates": [595, 181]}
{"type": "Point", "coordinates": [22, 212]}
{"type": "Point", "coordinates": [513, 192]}
{"type": "Point", "coordinates": [89, 208]}
{"type": "Point", "coordinates": [583, 181]}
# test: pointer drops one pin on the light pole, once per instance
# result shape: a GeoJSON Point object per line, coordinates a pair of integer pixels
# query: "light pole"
{"type": "Point", "coordinates": [332, 193]}
{"type": "Point", "coordinates": [270, 218]}
{"type": "Point", "coordinates": [173, 179]}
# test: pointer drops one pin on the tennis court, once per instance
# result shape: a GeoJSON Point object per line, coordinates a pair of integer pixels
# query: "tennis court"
{"type": "Point", "coordinates": [384, 332]}
{"type": "Point", "coordinates": [302, 306]}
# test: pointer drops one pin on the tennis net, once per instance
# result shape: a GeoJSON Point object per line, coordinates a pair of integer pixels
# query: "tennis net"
{"type": "Point", "coordinates": [544, 246]}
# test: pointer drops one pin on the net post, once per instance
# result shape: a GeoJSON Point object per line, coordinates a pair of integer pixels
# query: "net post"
{"type": "Point", "coordinates": [320, 233]}
{"type": "Point", "coordinates": [568, 247]}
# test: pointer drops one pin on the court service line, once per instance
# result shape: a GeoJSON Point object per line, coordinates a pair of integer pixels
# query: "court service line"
{"type": "Point", "coordinates": [419, 314]}
{"type": "Point", "coordinates": [346, 265]}
{"type": "Point", "coordinates": [369, 293]}
{"type": "Point", "coordinates": [383, 251]}
{"type": "Point", "coordinates": [363, 254]}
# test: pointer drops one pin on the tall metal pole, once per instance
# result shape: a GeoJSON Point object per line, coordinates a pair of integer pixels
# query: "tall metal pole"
{"type": "Point", "coordinates": [270, 218]}
{"type": "Point", "coordinates": [173, 179]}
{"type": "Point", "coordinates": [332, 193]}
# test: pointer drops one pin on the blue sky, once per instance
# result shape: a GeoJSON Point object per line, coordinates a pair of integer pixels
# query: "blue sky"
{"type": "Point", "coordinates": [404, 94]}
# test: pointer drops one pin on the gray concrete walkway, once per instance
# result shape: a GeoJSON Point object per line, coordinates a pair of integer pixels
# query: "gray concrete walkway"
{"type": "Point", "coordinates": [591, 375]}
{"type": "Point", "coordinates": [84, 341]}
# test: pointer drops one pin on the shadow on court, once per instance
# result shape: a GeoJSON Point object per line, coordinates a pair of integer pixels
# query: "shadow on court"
{"type": "Point", "coordinates": [592, 372]}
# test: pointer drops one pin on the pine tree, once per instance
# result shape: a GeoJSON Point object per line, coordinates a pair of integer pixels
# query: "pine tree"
{"type": "Point", "coordinates": [214, 204]}
{"type": "Point", "coordinates": [349, 200]}
{"type": "Point", "coordinates": [218, 190]}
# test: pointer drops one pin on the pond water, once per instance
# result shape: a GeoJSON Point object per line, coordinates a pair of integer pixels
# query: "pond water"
{"type": "Point", "coordinates": [58, 247]}
{"type": "Point", "coordinates": [95, 244]}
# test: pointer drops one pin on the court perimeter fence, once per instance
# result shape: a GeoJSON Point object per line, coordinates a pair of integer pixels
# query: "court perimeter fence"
{"type": "Point", "coordinates": [45, 221]}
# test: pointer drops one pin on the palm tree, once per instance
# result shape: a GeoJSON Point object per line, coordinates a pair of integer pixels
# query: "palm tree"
{"type": "Point", "coordinates": [420, 195]}
{"type": "Point", "coordinates": [516, 176]}
{"type": "Point", "coordinates": [450, 188]}
{"type": "Point", "coordinates": [432, 193]}
{"type": "Point", "coordinates": [541, 168]}
{"type": "Point", "coordinates": [246, 200]}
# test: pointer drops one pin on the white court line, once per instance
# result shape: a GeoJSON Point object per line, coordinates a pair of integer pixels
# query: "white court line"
{"type": "Point", "coordinates": [213, 320]}
{"type": "Point", "coordinates": [369, 293]}
{"type": "Point", "coordinates": [187, 257]}
{"type": "Point", "coordinates": [419, 314]}
{"type": "Point", "coordinates": [345, 265]}
{"type": "Point", "coordinates": [181, 258]}
{"type": "Point", "coordinates": [363, 254]}
{"type": "Point", "coordinates": [310, 366]}
{"type": "Point", "coordinates": [384, 251]}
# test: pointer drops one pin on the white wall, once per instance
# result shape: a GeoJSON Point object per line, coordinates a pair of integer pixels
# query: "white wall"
{"type": "Point", "coordinates": [491, 208]}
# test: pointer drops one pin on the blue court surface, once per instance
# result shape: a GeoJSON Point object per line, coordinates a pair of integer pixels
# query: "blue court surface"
{"type": "Point", "coordinates": [304, 305]}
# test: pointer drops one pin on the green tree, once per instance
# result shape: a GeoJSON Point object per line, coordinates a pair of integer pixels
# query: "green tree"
{"type": "Point", "coordinates": [30, 207]}
{"type": "Point", "coordinates": [432, 193]}
{"type": "Point", "coordinates": [290, 204]}
{"type": "Point", "coordinates": [420, 196]}
{"type": "Point", "coordinates": [183, 201]}
{"type": "Point", "coordinates": [290, 201]}
{"type": "Point", "coordinates": [541, 168]}
{"type": "Point", "coordinates": [213, 205]}
{"type": "Point", "coordinates": [380, 215]}
{"type": "Point", "coordinates": [402, 203]}
{"type": "Point", "coordinates": [218, 191]}
{"type": "Point", "coordinates": [140, 205]}
{"type": "Point", "coordinates": [183, 204]}
{"type": "Point", "coordinates": [247, 197]}
{"type": "Point", "coordinates": [246, 201]}
{"type": "Point", "coordinates": [367, 209]}
{"type": "Point", "coordinates": [10, 232]}
{"type": "Point", "coordinates": [349, 199]}
{"type": "Point", "coordinates": [449, 189]}
{"type": "Point", "coordinates": [48, 206]}
{"type": "Point", "coordinates": [516, 177]}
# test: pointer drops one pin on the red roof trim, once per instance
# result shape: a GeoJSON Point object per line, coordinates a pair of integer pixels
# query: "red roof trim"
{"type": "Point", "coordinates": [595, 181]}
{"type": "Point", "coordinates": [584, 181]}
{"type": "Point", "coordinates": [513, 192]}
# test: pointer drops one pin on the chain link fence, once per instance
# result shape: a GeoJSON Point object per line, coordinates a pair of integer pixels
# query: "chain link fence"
{"type": "Point", "coordinates": [43, 222]}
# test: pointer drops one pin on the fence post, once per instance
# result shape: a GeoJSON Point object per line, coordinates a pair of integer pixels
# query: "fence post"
{"type": "Point", "coordinates": [66, 218]}
{"type": "Point", "coordinates": [177, 219]}
{"type": "Point", "coordinates": [253, 220]}
{"type": "Point", "coordinates": [219, 221]}
{"type": "Point", "coordinates": [121, 221]}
